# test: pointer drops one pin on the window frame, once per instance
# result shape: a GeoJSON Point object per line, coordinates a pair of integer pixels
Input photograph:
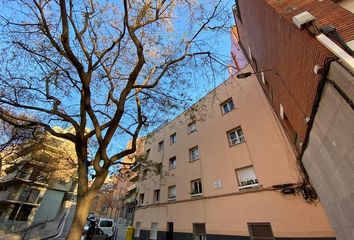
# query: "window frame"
{"type": "Point", "coordinates": [191, 159]}
{"type": "Point", "coordinates": [196, 191]}
{"type": "Point", "coordinates": [250, 230]}
{"type": "Point", "coordinates": [172, 166]}
{"type": "Point", "coordinates": [147, 152]}
{"type": "Point", "coordinates": [168, 193]}
{"type": "Point", "coordinates": [173, 138]}
{"type": "Point", "coordinates": [137, 229]}
{"type": "Point", "coordinates": [157, 195]}
{"type": "Point", "coordinates": [240, 138]}
{"type": "Point", "coordinates": [241, 186]}
{"type": "Point", "coordinates": [141, 198]}
{"type": "Point", "coordinates": [160, 146]}
{"type": "Point", "coordinates": [153, 231]}
{"type": "Point", "coordinates": [190, 129]}
{"type": "Point", "coordinates": [199, 235]}
{"type": "Point", "coordinates": [230, 107]}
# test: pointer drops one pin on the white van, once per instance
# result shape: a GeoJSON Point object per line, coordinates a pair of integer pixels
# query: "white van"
{"type": "Point", "coordinates": [107, 226]}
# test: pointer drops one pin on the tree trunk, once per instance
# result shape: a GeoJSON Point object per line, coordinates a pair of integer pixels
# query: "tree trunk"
{"type": "Point", "coordinates": [80, 217]}
{"type": "Point", "coordinates": [83, 206]}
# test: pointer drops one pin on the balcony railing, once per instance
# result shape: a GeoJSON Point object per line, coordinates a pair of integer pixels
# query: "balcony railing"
{"type": "Point", "coordinates": [130, 188]}
{"type": "Point", "coordinates": [12, 196]}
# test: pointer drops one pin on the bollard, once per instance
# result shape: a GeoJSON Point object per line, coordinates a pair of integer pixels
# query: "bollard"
{"type": "Point", "coordinates": [129, 233]}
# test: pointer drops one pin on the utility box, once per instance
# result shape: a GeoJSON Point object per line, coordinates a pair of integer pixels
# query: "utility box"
{"type": "Point", "coordinates": [303, 19]}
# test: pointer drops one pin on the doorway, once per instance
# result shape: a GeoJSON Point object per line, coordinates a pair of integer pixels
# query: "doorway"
{"type": "Point", "coordinates": [169, 234]}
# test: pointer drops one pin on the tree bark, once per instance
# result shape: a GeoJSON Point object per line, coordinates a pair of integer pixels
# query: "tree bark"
{"type": "Point", "coordinates": [84, 202]}
{"type": "Point", "coordinates": [81, 212]}
{"type": "Point", "coordinates": [80, 217]}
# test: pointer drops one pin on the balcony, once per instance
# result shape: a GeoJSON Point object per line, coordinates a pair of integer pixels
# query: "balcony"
{"type": "Point", "coordinates": [4, 195]}
{"type": "Point", "coordinates": [9, 196]}
{"type": "Point", "coordinates": [131, 188]}
{"type": "Point", "coordinates": [134, 177]}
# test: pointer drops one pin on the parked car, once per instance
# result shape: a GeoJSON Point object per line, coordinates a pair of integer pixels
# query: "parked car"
{"type": "Point", "coordinates": [107, 226]}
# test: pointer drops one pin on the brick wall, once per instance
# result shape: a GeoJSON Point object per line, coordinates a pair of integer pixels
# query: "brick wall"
{"type": "Point", "coordinates": [276, 43]}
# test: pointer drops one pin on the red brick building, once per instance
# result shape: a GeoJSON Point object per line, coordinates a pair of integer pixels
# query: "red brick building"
{"type": "Point", "coordinates": [272, 42]}
{"type": "Point", "coordinates": [311, 89]}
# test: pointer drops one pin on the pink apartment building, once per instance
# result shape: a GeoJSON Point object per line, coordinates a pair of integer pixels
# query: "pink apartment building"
{"type": "Point", "coordinates": [228, 172]}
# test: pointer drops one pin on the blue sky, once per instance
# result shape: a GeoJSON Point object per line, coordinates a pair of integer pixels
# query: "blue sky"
{"type": "Point", "coordinates": [204, 80]}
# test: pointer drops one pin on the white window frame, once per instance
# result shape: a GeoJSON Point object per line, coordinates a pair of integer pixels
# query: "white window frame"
{"type": "Point", "coordinates": [169, 196]}
{"type": "Point", "coordinates": [238, 138]}
{"type": "Point", "coordinates": [137, 229]}
{"type": "Point", "coordinates": [153, 231]}
{"type": "Point", "coordinates": [172, 166]}
{"type": "Point", "coordinates": [194, 153]}
{"type": "Point", "coordinates": [173, 138]}
{"type": "Point", "coordinates": [192, 127]}
{"type": "Point", "coordinates": [246, 177]}
{"type": "Point", "coordinates": [227, 106]}
{"type": "Point", "coordinates": [196, 187]}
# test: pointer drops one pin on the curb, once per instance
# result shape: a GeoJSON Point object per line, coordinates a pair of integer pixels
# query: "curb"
{"type": "Point", "coordinates": [59, 228]}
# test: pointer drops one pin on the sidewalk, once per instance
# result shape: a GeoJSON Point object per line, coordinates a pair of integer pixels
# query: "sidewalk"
{"type": "Point", "coordinates": [64, 230]}
{"type": "Point", "coordinates": [60, 226]}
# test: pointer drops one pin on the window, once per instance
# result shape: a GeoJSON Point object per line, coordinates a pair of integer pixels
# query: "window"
{"type": "Point", "coordinates": [141, 199]}
{"type": "Point", "coordinates": [160, 148]}
{"type": "Point", "coordinates": [153, 231]}
{"type": "Point", "coordinates": [194, 154]}
{"type": "Point", "coordinates": [173, 138]}
{"type": "Point", "coordinates": [192, 127]}
{"type": "Point", "coordinates": [227, 106]}
{"type": "Point", "coordinates": [143, 173]}
{"type": "Point", "coordinates": [172, 192]}
{"type": "Point", "coordinates": [196, 187]}
{"type": "Point", "coordinates": [157, 195]}
{"type": "Point", "coordinates": [33, 195]}
{"type": "Point", "coordinates": [290, 130]}
{"type": "Point", "coordinates": [260, 231]}
{"type": "Point", "coordinates": [268, 88]}
{"type": "Point", "coordinates": [235, 136]}
{"type": "Point", "coordinates": [106, 223]}
{"type": "Point", "coordinates": [147, 153]}
{"type": "Point", "coordinates": [246, 177]}
{"type": "Point", "coordinates": [137, 229]}
{"type": "Point", "coordinates": [158, 168]}
{"type": "Point", "coordinates": [24, 194]}
{"type": "Point", "coordinates": [172, 164]}
{"type": "Point", "coordinates": [199, 232]}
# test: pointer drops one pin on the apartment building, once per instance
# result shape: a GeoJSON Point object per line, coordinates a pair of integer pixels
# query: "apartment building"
{"type": "Point", "coordinates": [228, 172]}
{"type": "Point", "coordinates": [310, 88]}
{"type": "Point", "coordinates": [32, 189]}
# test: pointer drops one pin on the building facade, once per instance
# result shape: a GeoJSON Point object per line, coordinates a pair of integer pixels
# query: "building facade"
{"type": "Point", "coordinates": [32, 188]}
{"type": "Point", "coordinates": [228, 172]}
{"type": "Point", "coordinates": [310, 88]}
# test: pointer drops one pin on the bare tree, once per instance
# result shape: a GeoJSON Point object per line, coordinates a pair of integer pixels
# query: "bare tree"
{"type": "Point", "coordinates": [47, 158]}
{"type": "Point", "coordinates": [105, 68]}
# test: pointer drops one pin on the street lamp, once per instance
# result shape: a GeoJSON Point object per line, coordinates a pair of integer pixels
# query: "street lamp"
{"type": "Point", "coordinates": [247, 74]}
